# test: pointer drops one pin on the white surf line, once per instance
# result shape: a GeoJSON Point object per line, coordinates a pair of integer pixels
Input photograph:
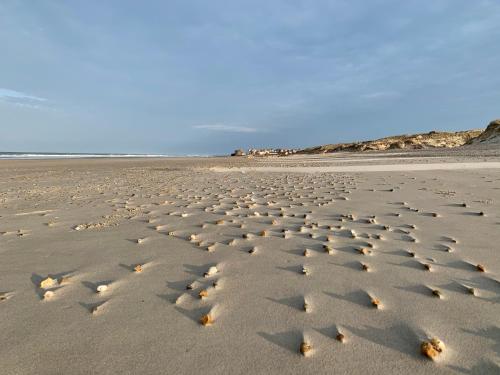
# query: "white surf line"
{"type": "Point", "coordinates": [367, 168]}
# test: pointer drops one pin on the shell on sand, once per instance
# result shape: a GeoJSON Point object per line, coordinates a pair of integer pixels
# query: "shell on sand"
{"type": "Point", "coordinates": [206, 320]}
{"type": "Point", "coordinates": [138, 268]}
{"type": "Point", "coordinates": [48, 294]}
{"type": "Point", "coordinates": [340, 337]}
{"type": "Point", "coordinates": [4, 296]}
{"type": "Point", "coordinates": [203, 293]}
{"type": "Point", "coordinates": [436, 293]}
{"type": "Point", "coordinates": [376, 303]}
{"type": "Point", "coordinates": [101, 288]}
{"type": "Point", "coordinates": [306, 253]}
{"type": "Point", "coordinates": [328, 249]}
{"type": "Point", "coordinates": [211, 271]}
{"type": "Point", "coordinates": [141, 240]}
{"type": "Point", "coordinates": [305, 348]}
{"type": "Point", "coordinates": [364, 251]}
{"type": "Point", "coordinates": [365, 267]}
{"type": "Point", "coordinates": [480, 268]}
{"type": "Point", "coordinates": [431, 349]}
{"type": "Point", "coordinates": [305, 270]}
{"type": "Point", "coordinates": [47, 283]}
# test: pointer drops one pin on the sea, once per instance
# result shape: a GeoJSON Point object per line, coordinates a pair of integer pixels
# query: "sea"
{"type": "Point", "coordinates": [59, 155]}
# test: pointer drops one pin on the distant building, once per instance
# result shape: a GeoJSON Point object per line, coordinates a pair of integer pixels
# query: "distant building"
{"type": "Point", "coordinates": [238, 152]}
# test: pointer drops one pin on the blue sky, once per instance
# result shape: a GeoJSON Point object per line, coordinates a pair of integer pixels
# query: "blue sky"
{"type": "Point", "coordinates": [205, 77]}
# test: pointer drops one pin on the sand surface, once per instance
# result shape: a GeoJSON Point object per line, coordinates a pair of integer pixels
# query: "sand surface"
{"type": "Point", "coordinates": [89, 223]}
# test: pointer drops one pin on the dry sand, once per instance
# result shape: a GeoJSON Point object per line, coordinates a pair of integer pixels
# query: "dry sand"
{"type": "Point", "coordinates": [90, 223]}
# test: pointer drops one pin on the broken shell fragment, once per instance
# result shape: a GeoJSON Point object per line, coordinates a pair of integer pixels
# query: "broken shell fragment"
{"type": "Point", "coordinates": [211, 271]}
{"type": "Point", "coordinates": [375, 302]}
{"type": "Point", "coordinates": [4, 296]}
{"type": "Point", "coordinates": [307, 253]}
{"type": "Point", "coordinates": [431, 349]}
{"type": "Point", "coordinates": [364, 251]}
{"type": "Point", "coordinates": [365, 267]}
{"type": "Point", "coordinates": [436, 293]}
{"type": "Point", "coordinates": [480, 268]}
{"type": "Point", "coordinates": [47, 283]}
{"type": "Point", "coordinates": [48, 294]}
{"type": "Point", "coordinates": [138, 268]}
{"type": "Point", "coordinates": [305, 270]}
{"type": "Point", "coordinates": [206, 320]}
{"type": "Point", "coordinates": [340, 337]}
{"type": "Point", "coordinates": [305, 348]}
{"type": "Point", "coordinates": [203, 293]}
{"type": "Point", "coordinates": [328, 249]}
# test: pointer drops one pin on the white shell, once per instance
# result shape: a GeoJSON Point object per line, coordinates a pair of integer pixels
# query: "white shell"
{"type": "Point", "coordinates": [211, 271]}
{"type": "Point", "coordinates": [48, 294]}
{"type": "Point", "coordinates": [101, 288]}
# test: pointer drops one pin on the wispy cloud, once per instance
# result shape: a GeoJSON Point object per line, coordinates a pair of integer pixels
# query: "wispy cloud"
{"type": "Point", "coordinates": [381, 95]}
{"type": "Point", "coordinates": [21, 99]}
{"type": "Point", "coordinates": [16, 95]}
{"type": "Point", "coordinates": [227, 128]}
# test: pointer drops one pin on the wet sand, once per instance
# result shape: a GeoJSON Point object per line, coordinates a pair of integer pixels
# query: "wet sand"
{"type": "Point", "coordinates": [388, 250]}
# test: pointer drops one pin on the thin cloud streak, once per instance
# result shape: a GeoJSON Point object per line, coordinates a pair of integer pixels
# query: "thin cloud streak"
{"type": "Point", "coordinates": [23, 100]}
{"type": "Point", "coordinates": [13, 95]}
{"type": "Point", "coordinates": [227, 128]}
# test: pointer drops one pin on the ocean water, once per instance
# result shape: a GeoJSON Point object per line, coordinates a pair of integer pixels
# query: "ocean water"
{"type": "Point", "coordinates": [57, 155]}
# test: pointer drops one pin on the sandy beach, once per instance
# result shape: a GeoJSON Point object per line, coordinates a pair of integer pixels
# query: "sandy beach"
{"type": "Point", "coordinates": [236, 265]}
